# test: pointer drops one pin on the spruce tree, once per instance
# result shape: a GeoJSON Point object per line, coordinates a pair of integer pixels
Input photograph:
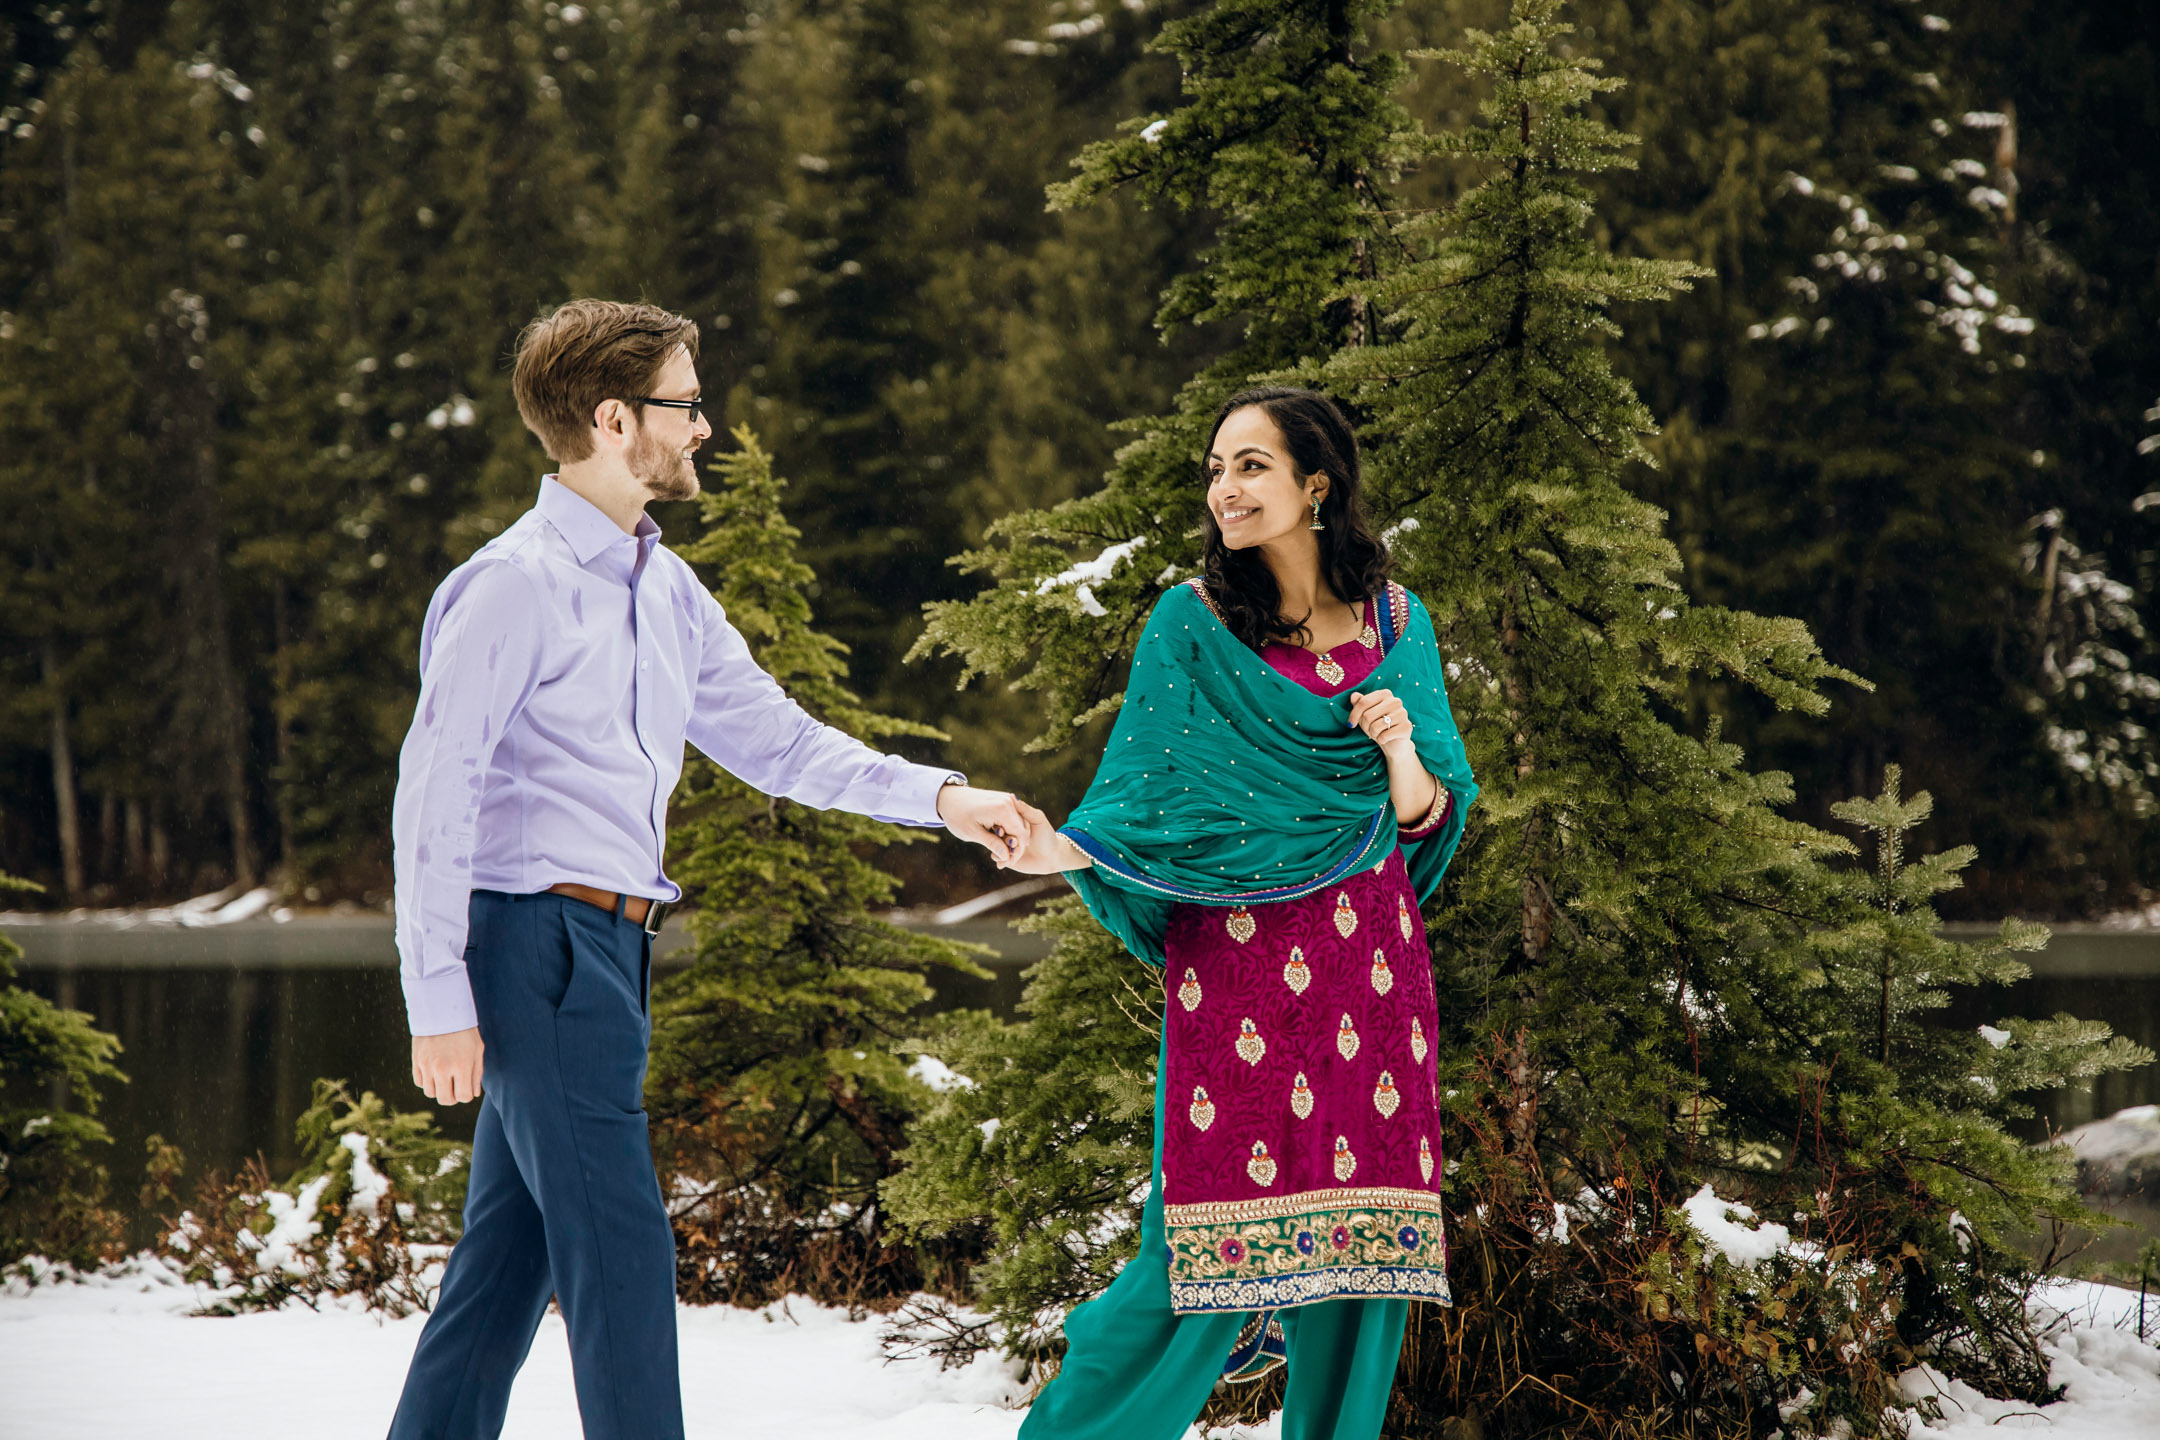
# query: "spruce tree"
{"type": "Point", "coordinates": [1646, 970]}
{"type": "Point", "coordinates": [779, 1101]}
{"type": "Point", "coordinates": [1054, 1126]}
{"type": "Point", "coordinates": [1859, 408]}
{"type": "Point", "coordinates": [52, 1063]}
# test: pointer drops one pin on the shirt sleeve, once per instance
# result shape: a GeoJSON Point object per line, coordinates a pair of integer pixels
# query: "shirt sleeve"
{"type": "Point", "coordinates": [1443, 802]}
{"type": "Point", "coordinates": [479, 662]}
{"type": "Point", "coordinates": [744, 721]}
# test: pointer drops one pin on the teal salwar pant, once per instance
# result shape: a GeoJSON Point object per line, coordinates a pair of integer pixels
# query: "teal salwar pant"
{"type": "Point", "coordinates": [1136, 1370]}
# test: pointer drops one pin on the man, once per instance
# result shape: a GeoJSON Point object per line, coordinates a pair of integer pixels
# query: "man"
{"type": "Point", "coordinates": [562, 668]}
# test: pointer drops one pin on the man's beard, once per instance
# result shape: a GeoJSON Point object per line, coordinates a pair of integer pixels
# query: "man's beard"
{"type": "Point", "coordinates": [666, 472]}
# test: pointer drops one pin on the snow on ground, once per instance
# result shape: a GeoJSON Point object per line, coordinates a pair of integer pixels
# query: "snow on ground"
{"type": "Point", "coordinates": [118, 1357]}
{"type": "Point", "coordinates": [119, 1361]}
{"type": "Point", "coordinates": [2112, 1378]}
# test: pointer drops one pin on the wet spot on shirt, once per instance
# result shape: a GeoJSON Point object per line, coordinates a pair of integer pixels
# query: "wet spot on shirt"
{"type": "Point", "coordinates": [423, 854]}
{"type": "Point", "coordinates": [461, 863]}
{"type": "Point", "coordinates": [427, 708]}
{"type": "Point", "coordinates": [487, 728]}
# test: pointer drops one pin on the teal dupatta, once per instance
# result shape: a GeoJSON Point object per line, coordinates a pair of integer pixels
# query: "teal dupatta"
{"type": "Point", "coordinates": [1226, 783]}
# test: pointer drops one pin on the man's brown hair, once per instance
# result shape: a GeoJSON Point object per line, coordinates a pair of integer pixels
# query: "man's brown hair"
{"type": "Point", "coordinates": [584, 352]}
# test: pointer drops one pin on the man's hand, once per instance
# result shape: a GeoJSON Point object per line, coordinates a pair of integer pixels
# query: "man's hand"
{"type": "Point", "coordinates": [990, 818]}
{"type": "Point", "coordinates": [447, 1067]}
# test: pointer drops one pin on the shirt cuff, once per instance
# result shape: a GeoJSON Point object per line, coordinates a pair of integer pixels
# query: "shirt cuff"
{"type": "Point", "coordinates": [1442, 803]}
{"type": "Point", "coordinates": [913, 798]}
{"type": "Point", "coordinates": [439, 1004]}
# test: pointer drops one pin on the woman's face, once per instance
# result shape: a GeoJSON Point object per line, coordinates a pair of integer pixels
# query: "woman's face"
{"type": "Point", "coordinates": [1253, 490]}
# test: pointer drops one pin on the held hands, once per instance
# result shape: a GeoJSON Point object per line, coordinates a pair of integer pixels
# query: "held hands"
{"type": "Point", "coordinates": [447, 1067]}
{"type": "Point", "coordinates": [990, 818]}
{"type": "Point", "coordinates": [1047, 852]}
{"type": "Point", "coordinates": [1385, 722]}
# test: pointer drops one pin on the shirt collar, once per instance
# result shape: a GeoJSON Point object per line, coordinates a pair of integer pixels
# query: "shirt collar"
{"type": "Point", "coordinates": [584, 525]}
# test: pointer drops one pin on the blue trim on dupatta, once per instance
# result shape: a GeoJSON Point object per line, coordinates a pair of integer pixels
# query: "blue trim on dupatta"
{"type": "Point", "coordinates": [1358, 861]}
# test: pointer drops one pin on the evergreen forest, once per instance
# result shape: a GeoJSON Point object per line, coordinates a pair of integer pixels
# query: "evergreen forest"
{"type": "Point", "coordinates": [1763, 399]}
{"type": "Point", "coordinates": [261, 265]}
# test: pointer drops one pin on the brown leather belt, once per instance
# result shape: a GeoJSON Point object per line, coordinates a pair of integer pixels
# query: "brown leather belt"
{"type": "Point", "coordinates": [638, 910]}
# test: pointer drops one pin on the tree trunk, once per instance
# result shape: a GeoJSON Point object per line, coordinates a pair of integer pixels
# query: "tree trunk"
{"type": "Point", "coordinates": [134, 842]}
{"type": "Point", "coordinates": [160, 854]}
{"type": "Point", "coordinates": [108, 860]}
{"type": "Point", "coordinates": [63, 778]}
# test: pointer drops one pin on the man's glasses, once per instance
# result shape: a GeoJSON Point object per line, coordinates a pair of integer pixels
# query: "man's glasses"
{"type": "Point", "coordinates": [695, 407]}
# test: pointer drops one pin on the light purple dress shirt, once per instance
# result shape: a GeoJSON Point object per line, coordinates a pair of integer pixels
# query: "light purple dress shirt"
{"type": "Point", "coordinates": [561, 669]}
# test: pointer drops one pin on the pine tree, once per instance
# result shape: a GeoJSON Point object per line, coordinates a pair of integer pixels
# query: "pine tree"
{"type": "Point", "coordinates": [1646, 970]}
{"type": "Point", "coordinates": [1063, 1098]}
{"type": "Point", "coordinates": [1630, 906]}
{"type": "Point", "coordinates": [1859, 407]}
{"type": "Point", "coordinates": [778, 1097]}
{"type": "Point", "coordinates": [52, 1063]}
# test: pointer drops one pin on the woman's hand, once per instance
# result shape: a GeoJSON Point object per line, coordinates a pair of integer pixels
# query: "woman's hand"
{"type": "Point", "coordinates": [1382, 717]}
{"type": "Point", "coordinates": [1385, 722]}
{"type": "Point", "coordinates": [1047, 852]}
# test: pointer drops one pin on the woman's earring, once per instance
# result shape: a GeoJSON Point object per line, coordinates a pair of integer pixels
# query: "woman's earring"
{"type": "Point", "coordinates": [1316, 525]}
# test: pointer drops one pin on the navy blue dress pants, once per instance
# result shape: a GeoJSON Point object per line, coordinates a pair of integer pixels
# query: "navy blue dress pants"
{"type": "Point", "coordinates": [563, 1201]}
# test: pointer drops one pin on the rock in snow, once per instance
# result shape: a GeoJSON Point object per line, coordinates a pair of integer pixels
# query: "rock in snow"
{"type": "Point", "coordinates": [2121, 1154]}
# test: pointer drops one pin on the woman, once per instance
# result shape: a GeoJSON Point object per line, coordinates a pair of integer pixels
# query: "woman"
{"type": "Point", "coordinates": [1284, 784]}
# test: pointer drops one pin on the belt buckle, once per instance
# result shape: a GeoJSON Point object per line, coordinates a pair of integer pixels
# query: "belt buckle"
{"type": "Point", "coordinates": [655, 916]}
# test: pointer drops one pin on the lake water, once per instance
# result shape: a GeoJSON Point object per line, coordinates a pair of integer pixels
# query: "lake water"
{"type": "Point", "coordinates": [225, 1028]}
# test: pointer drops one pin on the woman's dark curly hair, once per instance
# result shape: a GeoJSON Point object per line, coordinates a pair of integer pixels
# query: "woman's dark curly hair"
{"type": "Point", "coordinates": [1353, 562]}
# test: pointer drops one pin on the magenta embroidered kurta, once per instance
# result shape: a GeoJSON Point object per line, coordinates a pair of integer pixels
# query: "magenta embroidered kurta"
{"type": "Point", "coordinates": [1301, 1144]}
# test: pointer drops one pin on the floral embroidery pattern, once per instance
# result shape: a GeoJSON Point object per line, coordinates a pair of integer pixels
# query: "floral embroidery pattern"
{"type": "Point", "coordinates": [1250, 1047]}
{"type": "Point", "coordinates": [1424, 1158]}
{"type": "Point", "coordinates": [1345, 1162]}
{"type": "Point", "coordinates": [1261, 1167]}
{"type": "Point", "coordinates": [1385, 1097]}
{"type": "Point", "coordinates": [1346, 1041]}
{"type": "Point", "coordinates": [1241, 925]}
{"type": "Point", "coordinates": [1402, 916]}
{"type": "Point", "coordinates": [1188, 994]}
{"type": "Point", "coordinates": [1301, 1097]}
{"type": "Point", "coordinates": [1202, 1109]}
{"type": "Point", "coordinates": [1294, 1249]}
{"type": "Point", "coordinates": [1345, 917]}
{"type": "Point", "coordinates": [1383, 979]}
{"type": "Point", "coordinates": [1417, 1040]}
{"type": "Point", "coordinates": [1327, 668]}
{"type": "Point", "coordinates": [1296, 973]}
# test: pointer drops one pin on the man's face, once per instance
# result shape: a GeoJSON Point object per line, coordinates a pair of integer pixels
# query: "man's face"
{"type": "Point", "coordinates": [666, 440]}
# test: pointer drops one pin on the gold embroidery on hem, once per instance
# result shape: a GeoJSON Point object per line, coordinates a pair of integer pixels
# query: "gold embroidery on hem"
{"type": "Point", "coordinates": [1275, 1207]}
{"type": "Point", "coordinates": [1287, 1292]}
